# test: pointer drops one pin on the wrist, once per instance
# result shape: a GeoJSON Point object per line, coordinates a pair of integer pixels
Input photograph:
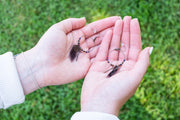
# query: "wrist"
{"type": "Point", "coordinates": [100, 107]}
{"type": "Point", "coordinates": [29, 70]}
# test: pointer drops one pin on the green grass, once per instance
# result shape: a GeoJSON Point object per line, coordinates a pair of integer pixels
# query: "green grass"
{"type": "Point", "coordinates": [23, 22]}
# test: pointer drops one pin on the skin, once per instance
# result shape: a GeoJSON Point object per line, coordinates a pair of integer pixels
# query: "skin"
{"type": "Point", "coordinates": [50, 63]}
{"type": "Point", "coordinates": [107, 95]}
{"type": "Point", "coordinates": [49, 60]}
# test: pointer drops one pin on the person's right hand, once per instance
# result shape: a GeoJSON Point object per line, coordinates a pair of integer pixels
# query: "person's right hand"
{"type": "Point", "coordinates": [50, 58]}
{"type": "Point", "coordinates": [107, 94]}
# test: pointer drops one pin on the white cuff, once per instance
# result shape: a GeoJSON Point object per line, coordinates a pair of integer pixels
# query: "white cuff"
{"type": "Point", "coordinates": [1, 102]}
{"type": "Point", "coordinates": [11, 91]}
{"type": "Point", "coordinates": [93, 116]}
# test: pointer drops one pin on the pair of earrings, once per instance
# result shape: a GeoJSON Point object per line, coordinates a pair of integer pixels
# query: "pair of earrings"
{"type": "Point", "coordinates": [76, 49]}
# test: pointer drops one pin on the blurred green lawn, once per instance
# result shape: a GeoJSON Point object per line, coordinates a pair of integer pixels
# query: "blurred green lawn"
{"type": "Point", "coordinates": [23, 22]}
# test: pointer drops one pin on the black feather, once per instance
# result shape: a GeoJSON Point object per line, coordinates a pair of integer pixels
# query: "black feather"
{"type": "Point", "coordinates": [74, 52]}
{"type": "Point", "coordinates": [115, 69]}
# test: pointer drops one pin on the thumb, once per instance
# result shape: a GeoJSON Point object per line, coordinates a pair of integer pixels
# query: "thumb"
{"type": "Point", "coordinates": [142, 62]}
{"type": "Point", "coordinates": [71, 24]}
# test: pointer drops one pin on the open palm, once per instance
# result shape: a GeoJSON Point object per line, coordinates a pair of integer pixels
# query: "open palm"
{"type": "Point", "coordinates": [107, 94]}
{"type": "Point", "coordinates": [54, 48]}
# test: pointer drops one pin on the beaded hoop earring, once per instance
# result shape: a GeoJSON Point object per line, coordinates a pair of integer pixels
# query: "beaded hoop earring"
{"type": "Point", "coordinates": [114, 67]}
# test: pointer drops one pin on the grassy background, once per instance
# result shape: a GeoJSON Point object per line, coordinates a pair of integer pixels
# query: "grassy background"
{"type": "Point", "coordinates": [23, 22]}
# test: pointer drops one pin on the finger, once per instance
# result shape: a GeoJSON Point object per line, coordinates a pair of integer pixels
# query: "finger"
{"type": "Point", "coordinates": [97, 38]}
{"type": "Point", "coordinates": [93, 52]}
{"type": "Point", "coordinates": [115, 43]}
{"type": "Point", "coordinates": [142, 64]}
{"type": "Point", "coordinates": [98, 26]}
{"type": "Point", "coordinates": [125, 38]}
{"type": "Point", "coordinates": [71, 24]}
{"type": "Point", "coordinates": [92, 60]}
{"type": "Point", "coordinates": [135, 40]}
{"type": "Point", "coordinates": [104, 47]}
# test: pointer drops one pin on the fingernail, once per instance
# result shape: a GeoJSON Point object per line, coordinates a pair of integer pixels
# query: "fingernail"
{"type": "Point", "coordinates": [83, 18]}
{"type": "Point", "coordinates": [150, 50]}
{"type": "Point", "coordinates": [135, 19]}
{"type": "Point", "coordinates": [129, 17]}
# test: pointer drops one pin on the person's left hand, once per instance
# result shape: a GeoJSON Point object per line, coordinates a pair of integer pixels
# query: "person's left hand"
{"type": "Point", "coordinates": [50, 58]}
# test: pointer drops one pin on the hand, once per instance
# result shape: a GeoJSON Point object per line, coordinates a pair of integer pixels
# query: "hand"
{"type": "Point", "coordinates": [49, 59]}
{"type": "Point", "coordinates": [107, 94]}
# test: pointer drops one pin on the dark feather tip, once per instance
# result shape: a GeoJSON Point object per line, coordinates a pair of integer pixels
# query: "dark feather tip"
{"type": "Point", "coordinates": [73, 54]}
{"type": "Point", "coordinates": [115, 69]}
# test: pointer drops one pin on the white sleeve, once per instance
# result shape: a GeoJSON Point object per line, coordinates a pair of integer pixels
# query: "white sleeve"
{"type": "Point", "coordinates": [11, 91]}
{"type": "Point", "coordinates": [93, 116]}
